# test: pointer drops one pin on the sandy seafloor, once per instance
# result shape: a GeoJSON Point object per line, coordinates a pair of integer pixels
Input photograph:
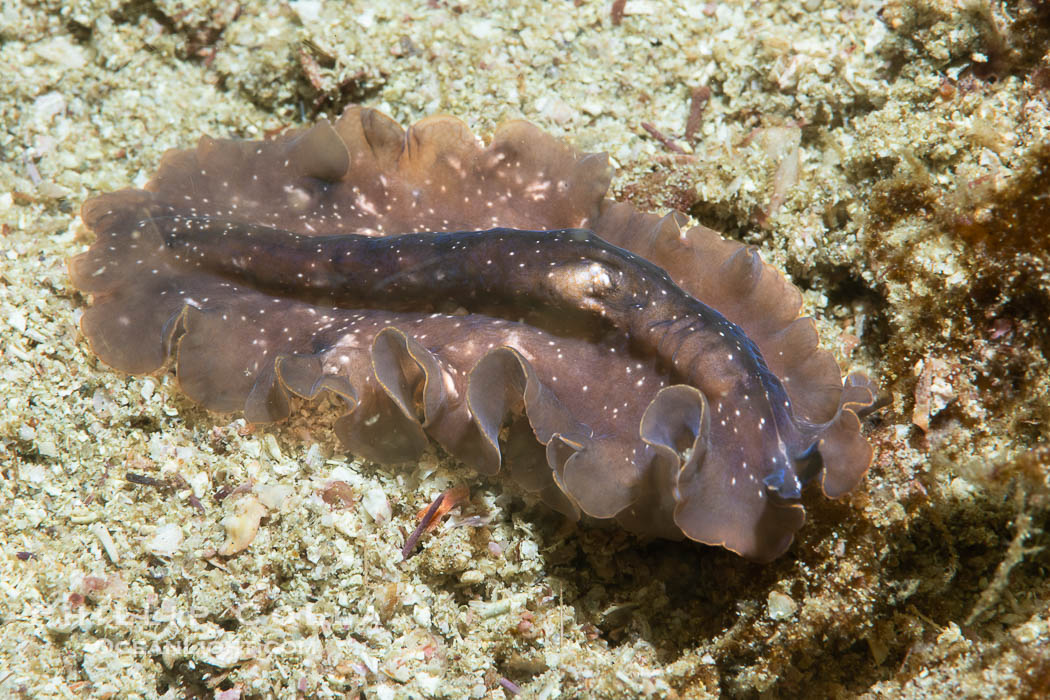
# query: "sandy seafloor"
{"type": "Point", "coordinates": [917, 227]}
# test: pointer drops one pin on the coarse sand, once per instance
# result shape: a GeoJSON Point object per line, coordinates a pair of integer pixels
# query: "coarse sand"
{"type": "Point", "coordinates": [891, 157]}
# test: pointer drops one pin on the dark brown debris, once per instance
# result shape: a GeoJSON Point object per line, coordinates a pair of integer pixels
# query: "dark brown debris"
{"type": "Point", "coordinates": [429, 518]}
{"type": "Point", "coordinates": [698, 99]}
{"type": "Point", "coordinates": [668, 143]}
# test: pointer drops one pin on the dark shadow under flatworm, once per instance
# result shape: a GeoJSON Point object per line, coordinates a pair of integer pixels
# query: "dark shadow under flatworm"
{"type": "Point", "coordinates": [490, 299]}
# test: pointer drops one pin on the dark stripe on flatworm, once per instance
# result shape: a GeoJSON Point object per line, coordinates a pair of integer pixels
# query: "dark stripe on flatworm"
{"type": "Point", "coordinates": [508, 272]}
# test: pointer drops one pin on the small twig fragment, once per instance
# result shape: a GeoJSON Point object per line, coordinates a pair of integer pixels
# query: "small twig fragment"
{"type": "Point", "coordinates": [617, 12]}
{"type": "Point", "coordinates": [667, 141]}
{"type": "Point", "coordinates": [453, 497]}
{"type": "Point", "coordinates": [429, 518]}
{"type": "Point", "coordinates": [143, 480]}
{"type": "Point", "coordinates": [412, 540]}
{"type": "Point", "coordinates": [698, 99]}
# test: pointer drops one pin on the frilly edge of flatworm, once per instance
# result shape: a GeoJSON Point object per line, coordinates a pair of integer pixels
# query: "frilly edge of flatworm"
{"type": "Point", "coordinates": [585, 423]}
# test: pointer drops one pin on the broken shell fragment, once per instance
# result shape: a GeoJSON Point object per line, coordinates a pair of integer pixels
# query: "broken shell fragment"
{"type": "Point", "coordinates": [242, 525]}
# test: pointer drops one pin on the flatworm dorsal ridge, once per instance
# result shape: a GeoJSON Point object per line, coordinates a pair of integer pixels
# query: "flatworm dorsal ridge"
{"type": "Point", "coordinates": [647, 373]}
{"type": "Point", "coordinates": [732, 278]}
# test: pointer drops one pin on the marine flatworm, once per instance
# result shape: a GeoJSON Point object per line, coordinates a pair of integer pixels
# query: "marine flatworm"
{"type": "Point", "coordinates": [492, 299]}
